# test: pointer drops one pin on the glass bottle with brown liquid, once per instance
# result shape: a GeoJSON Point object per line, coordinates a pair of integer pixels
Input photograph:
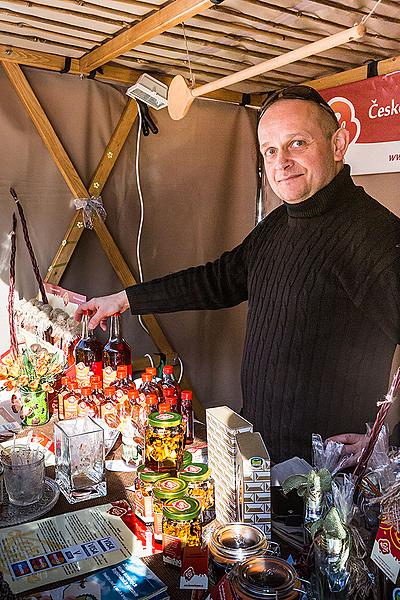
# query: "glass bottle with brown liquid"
{"type": "Point", "coordinates": [88, 354]}
{"type": "Point", "coordinates": [117, 352]}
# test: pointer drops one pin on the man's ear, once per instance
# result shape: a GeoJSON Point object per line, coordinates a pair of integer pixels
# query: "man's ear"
{"type": "Point", "coordinates": [340, 143]}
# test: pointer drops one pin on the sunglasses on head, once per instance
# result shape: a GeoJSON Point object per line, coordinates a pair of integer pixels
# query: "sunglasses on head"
{"type": "Point", "coordinates": [298, 92]}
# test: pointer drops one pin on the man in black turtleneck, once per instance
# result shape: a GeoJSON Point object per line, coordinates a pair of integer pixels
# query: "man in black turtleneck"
{"type": "Point", "coordinates": [321, 274]}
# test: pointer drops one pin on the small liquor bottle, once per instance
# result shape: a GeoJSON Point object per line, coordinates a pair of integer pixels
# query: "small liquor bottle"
{"type": "Point", "coordinates": [88, 354]}
{"type": "Point", "coordinates": [97, 393]}
{"type": "Point", "coordinates": [70, 400]}
{"type": "Point", "coordinates": [188, 415]}
{"type": "Point", "coordinates": [155, 383]}
{"type": "Point", "coordinates": [173, 399]}
{"type": "Point", "coordinates": [108, 408]}
{"type": "Point", "coordinates": [117, 352]}
{"type": "Point", "coordinates": [152, 401]}
{"type": "Point", "coordinates": [60, 396]}
{"type": "Point", "coordinates": [169, 381]}
{"type": "Point", "coordinates": [86, 404]}
{"type": "Point", "coordinates": [146, 387]}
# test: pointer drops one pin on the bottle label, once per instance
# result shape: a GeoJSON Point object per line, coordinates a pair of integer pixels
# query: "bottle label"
{"type": "Point", "coordinates": [109, 376]}
{"type": "Point", "coordinates": [84, 372]}
{"type": "Point", "coordinates": [70, 407]}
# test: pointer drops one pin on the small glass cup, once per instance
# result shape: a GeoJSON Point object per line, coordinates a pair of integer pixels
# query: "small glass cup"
{"type": "Point", "coordinates": [79, 453]}
{"type": "Point", "coordinates": [23, 474]}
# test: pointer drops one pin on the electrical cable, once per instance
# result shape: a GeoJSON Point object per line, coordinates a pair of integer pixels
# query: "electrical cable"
{"type": "Point", "coordinates": [141, 220]}
{"type": "Point", "coordinates": [181, 372]}
{"type": "Point", "coordinates": [150, 359]}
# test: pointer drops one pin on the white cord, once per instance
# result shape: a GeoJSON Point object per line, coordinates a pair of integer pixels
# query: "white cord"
{"type": "Point", "coordinates": [373, 9]}
{"type": "Point", "coordinates": [139, 235]}
{"type": "Point", "coordinates": [181, 372]}
{"type": "Point", "coordinates": [149, 356]}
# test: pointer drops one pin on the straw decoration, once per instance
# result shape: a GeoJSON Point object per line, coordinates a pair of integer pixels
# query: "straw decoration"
{"type": "Point", "coordinates": [29, 246]}
{"type": "Point", "coordinates": [385, 405]}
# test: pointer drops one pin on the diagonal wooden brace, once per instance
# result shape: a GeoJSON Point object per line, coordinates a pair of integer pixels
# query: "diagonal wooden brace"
{"type": "Point", "coordinates": [78, 189]}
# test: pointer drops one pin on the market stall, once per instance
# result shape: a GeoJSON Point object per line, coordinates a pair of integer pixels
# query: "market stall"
{"type": "Point", "coordinates": [110, 487]}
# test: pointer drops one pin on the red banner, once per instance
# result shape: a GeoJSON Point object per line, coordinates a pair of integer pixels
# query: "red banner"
{"type": "Point", "coordinates": [370, 111]}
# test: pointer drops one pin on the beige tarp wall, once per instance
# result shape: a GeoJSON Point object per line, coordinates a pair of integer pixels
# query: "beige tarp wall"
{"type": "Point", "coordinates": [199, 188]}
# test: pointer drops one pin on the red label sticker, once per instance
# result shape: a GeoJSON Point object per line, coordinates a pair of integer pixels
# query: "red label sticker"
{"type": "Point", "coordinates": [180, 505]}
{"type": "Point", "coordinates": [192, 469]}
{"type": "Point", "coordinates": [168, 485]}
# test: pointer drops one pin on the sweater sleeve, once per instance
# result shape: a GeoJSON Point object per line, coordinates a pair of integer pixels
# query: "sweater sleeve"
{"type": "Point", "coordinates": [382, 302]}
{"type": "Point", "coordinates": [218, 284]}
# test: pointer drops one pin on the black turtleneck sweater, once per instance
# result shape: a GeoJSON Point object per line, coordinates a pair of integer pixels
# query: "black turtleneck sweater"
{"type": "Point", "coordinates": [322, 280]}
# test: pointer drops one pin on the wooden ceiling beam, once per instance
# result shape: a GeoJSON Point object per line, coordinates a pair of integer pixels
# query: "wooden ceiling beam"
{"type": "Point", "coordinates": [155, 24]}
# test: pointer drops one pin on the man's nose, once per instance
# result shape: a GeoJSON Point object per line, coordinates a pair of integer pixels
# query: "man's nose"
{"type": "Point", "coordinates": [283, 159]}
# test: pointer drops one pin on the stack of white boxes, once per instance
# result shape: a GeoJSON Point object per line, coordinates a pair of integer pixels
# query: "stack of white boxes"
{"type": "Point", "coordinates": [254, 481]}
{"type": "Point", "coordinates": [223, 424]}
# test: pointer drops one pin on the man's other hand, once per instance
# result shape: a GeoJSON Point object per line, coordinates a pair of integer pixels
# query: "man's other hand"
{"type": "Point", "coordinates": [101, 308]}
{"type": "Point", "coordinates": [354, 444]}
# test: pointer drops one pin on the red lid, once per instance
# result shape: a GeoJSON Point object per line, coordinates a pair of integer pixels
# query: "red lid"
{"type": "Point", "coordinates": [152, 371]}
{"type": "Point", "coordinates": [122, 371]}
{"type": "Point", "coordinates": [170, 391]}
{"type": "Point", "coordinates": [152, 398]}
{"type": "Point", "coordinates": [85, 391]}
{"type": "Point", "coordinates": [133, 393]}
{"type": "Point", "coordinates": [108, 391]}
{"type": "Point", "coordinates": [94, 378]}
{"type": "Point", "coordinates": [163, 407]}
{"type": "Point", "coordinates": [97, 385]}
{"type": "Point", "coordinates": [64, 380]}
{"type": "Point", "coordinates": [187, 395]}
{"type": "Point", "coordinates": [147, 377]}
{"type": "Point", "coordinates": [73, 385]}
{"type": "Point", "coordinates": [168, 369]}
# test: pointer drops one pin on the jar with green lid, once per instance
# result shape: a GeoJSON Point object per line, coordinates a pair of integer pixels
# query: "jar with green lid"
{"type": "Point", "coordinates": [164, 442]}
{"type": "Point", "coordinates": [181, 526]}
{"type": "Point", "coordinates": [166, 489]}
{"type": "Point", "coordinates": [200, 484]}
{"type": "Point", "coordinates": [143, 496]}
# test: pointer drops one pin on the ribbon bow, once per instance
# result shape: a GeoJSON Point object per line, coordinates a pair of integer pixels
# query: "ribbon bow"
{"type": "Point", "coordinates": [90, 206]}
{"type": "Point", "coordinates": [314, 483]}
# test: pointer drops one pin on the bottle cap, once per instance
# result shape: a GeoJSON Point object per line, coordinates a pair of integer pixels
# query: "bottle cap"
{"type": "Point", "coordinates": [169, 391]}
{"type": "Point", "coordinates": [133, 393]}
{"type": "Point", "coordinates": [64, 380]}
{"type": "Point", "coordinates": [85, 391]}
{"type": "Point", "coordinates": [108, 391]}
{"type": "Point", "coordinates": [153, 399]}
{"type": "Point", "coordinates": [168, 419]}
{"type": "Point", "coordinates": [94, 378]}
{"type": "Point", "coordinates": [147, 377]}
{"type": "Point", "coordinates": [170, 488]}
{"type": "Point", "coordinates": [122, 371]}
{"type": "Point", "coordinates": [186, 395]}
{"type": "Point", "coordinates": [152, 371]}
{"type": "Point", "coordinates": [163, 407]}
{"type": "Point", "coordinates": [73, 385]}
{"type": "Point", "coordinates": [182, 509]}
{"type": "Point", "coordinates": [194, 472]}
{"type": "Point", "coordinates": [97, 385]}
{"type": "Point", "coordinates": [150, 476]}
{"type": "Point", "coordinates": [168, 369]}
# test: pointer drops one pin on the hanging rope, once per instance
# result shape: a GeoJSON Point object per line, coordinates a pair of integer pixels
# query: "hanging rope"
{"type": "Point", "coordinates": [192, 77]}
{"type": "Point", "coordinates": [35, 266]}
{"type": "Point", "coordinates": [371, 12]}
{"type": "Point", "coordinates": [13, 335]}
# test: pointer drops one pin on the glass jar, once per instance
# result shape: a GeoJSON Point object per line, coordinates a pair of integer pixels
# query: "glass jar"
{"type": "Point", "coordinates": [233, 543]}
{"type": "Point", "coordinates": [164, 442]}
{"type": "Point", "coordinates": [143, 495]}
{"type": "Point", "coordinates": [166, 489]}
{"type": "Point", "coordinates": [265, 578]}
{"type": "Point", "coordinates": [200, 484]}
{"type": "Point", "coordinates": [187, 458]}
{"type": "Point", "coordinates": [181, 526]}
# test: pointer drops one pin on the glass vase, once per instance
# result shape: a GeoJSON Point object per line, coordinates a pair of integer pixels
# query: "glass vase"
{"type": "Point", "coordinates": [34, 410]}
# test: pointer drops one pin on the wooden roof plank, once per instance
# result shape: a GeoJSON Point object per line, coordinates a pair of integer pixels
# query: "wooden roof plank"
{"type": "Point", "coordinates": [163, 19]}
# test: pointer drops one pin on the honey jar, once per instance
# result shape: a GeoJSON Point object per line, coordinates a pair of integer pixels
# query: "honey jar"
{"type": "Point", "coordinates": [164, 442]}
{"type": "Point", "coordinates": [265, 578]}
{"type": "Point", "coordinates": [165, 489]}
{"type": "Point", "coordinates": [200, 484]}
{"type": "Point", "coordinates": [143, 496]}
{"type": "Point", "coordinates": [181, 526]}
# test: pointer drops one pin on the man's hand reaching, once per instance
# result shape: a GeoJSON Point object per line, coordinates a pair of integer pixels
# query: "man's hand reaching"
{"type": "Point", "coordinates": [101, 308]}
{"type": "Point", "coordinates": [354, 444]}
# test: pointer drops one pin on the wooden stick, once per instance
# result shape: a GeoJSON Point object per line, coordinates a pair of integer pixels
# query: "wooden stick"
{"type": "Point", "coordinates": [180, 97]}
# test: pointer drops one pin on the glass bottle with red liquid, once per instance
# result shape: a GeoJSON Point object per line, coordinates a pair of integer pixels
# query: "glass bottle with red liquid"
{"type": "Point", "coordinates": [117, 352]}
{"type": "Point", "coordinates": [60, 397]}
{"type": "Point", "coordinates": [97, 392]}
{"type": "Point", "coordinates": [70, 400]}
{"type": "Point", "coordinates": [88, 354]}
{"type": "Point", "coordinates": [86, 404]}
{"type": "Point", "coordinates": [169, 381]}
{"type": "Point", "coordinates": [187, 415]}
{"type": "Point", "coordinates": [108, 408]}
{"type": "Point", "coordinates": [146, 387]}
{"type": "Point", "coordinates": [156, 383]}
{"type": "Point", "coordinates": [173, 399]}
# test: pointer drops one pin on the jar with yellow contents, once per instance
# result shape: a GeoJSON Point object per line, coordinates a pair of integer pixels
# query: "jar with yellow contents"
{"type": "Point", "coordinates": [181, 526]}
{"type": "Point", "coordinates": [143, 496]}
{"type": "Point", "coordinates": [164, 442]}
{"type": "Point", "coordinates": [164, 490]}
{"type": "Point", "coordinates": [200, 484]}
